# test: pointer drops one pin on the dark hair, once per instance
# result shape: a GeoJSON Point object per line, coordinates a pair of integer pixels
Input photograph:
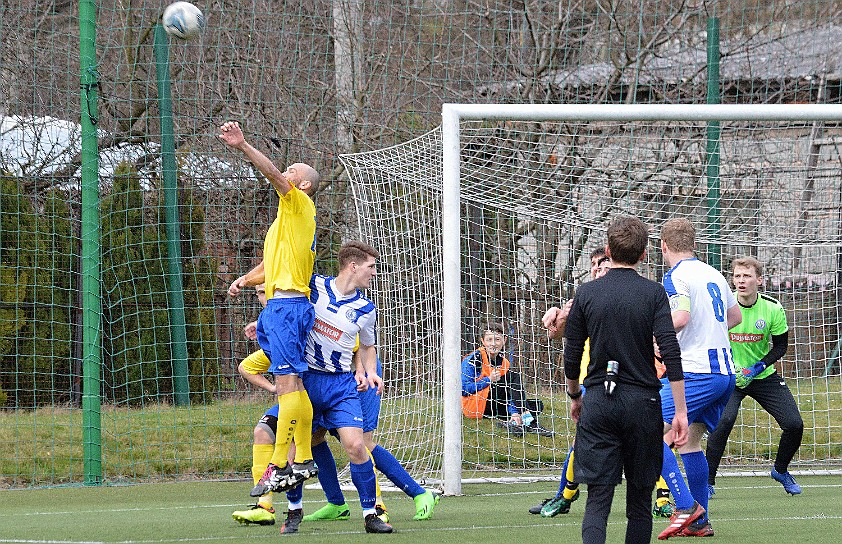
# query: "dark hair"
{"type": "Point", "coordinates": [679, 235]}
{"type": "Point", "coordinates": [627, 239]}
{"type": "Point", "coordinates": [493, 326]}
{"type": "Point", "coordinates": [598, 252]}
{"type": "Point", "coordinates": [355, 251]}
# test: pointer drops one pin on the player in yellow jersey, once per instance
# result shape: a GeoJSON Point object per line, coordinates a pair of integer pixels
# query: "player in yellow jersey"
{"type": "Point", "coordinates": [283, 326]}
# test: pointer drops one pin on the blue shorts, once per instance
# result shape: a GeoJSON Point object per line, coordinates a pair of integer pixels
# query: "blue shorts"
{"type": "Point", "coordinates": [282, 330]}
{"type": "Point", "coordinates": [335, 400]}
{"type": "Point", "coordinates": [370, 404]}
{"type": "Point", "coordinates": [273, 411]}
{"type": "Point", "coordinates": [706, 396]}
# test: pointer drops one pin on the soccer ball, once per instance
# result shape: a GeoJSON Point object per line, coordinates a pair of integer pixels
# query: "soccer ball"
{"type": "Point", "coordinates": [183, 20]}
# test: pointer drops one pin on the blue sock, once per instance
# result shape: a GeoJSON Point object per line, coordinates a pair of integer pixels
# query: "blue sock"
{"type": "Point", "coordinates": [363, 477]}
{"type": "Point", "coordinates": [563, 482]}
{"type": "Point", "coordinates": [675, 481]}
{"type": "Point", "coordinates": [696, 467]}
{"type": "Point", "coordinates": [327, 474]}
{"type": "Point", "coordinates": [295, 494]}
{"type": "Point", "coordinates": [391, 467]}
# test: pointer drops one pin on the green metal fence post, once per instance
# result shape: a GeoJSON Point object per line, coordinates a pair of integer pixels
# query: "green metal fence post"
{"type": "Point", "coordinates": [178, 328]}
{"type": "Point", "coordinates": [714, 257]}
{"type": "Point", "coordinates": [91, 300]}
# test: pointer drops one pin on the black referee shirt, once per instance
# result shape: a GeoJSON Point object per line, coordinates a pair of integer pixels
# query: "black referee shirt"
{"type": "Point", "coordinates": [620, 313]}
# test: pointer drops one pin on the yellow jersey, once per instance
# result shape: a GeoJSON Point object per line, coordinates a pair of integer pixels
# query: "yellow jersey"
{"type": "Point", "coordinates": [586, 360]}
{"type": "Point", "coordinates": [289, 249]}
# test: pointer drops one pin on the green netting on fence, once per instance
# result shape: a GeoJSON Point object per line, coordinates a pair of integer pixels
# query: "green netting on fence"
{"type": "Point", "coordinates": [308, 80]}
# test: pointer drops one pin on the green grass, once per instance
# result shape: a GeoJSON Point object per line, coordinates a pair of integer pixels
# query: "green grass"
{"type": "Point", "coordinates": [161, 442]}
{"type": "Point", "coordinates": [744, 510]}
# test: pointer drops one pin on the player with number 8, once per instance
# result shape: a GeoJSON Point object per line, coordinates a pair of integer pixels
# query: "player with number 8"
{"type": "Point", "coordinates": [703, 309]}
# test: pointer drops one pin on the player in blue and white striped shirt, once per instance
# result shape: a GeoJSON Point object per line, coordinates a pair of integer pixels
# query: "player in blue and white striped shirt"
{"type": "Point", "coordinates": [703, 309]}
{"type": "Point", "coordinates": [343, 312]}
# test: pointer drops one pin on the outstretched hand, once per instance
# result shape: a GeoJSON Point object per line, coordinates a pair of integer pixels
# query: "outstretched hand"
{"type": "Point", "coordinates": [746, 375]}
{"type": "Point", "coordinates": [555, 319]}
{"type": "Point", "coordinates": [231, 133]}
{"type": "Point", "coordinates": [236, 286]}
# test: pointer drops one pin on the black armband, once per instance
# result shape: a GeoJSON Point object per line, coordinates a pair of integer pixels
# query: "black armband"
{"type": "Point", "coordinates": [574, 396]}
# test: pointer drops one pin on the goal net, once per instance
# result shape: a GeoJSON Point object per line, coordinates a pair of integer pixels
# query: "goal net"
{"type": "Point", "coordinates": [502, 228]}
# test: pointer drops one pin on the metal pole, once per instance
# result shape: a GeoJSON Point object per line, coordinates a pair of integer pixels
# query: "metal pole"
{"type": "Point", "coordinates": [91, 265]}
{"type": "Point", "coordinates": [451, 306]}
{"type": "Point", "coordinates": [714, 257]}
{"type": "Point", "coordinates": [178, 327]}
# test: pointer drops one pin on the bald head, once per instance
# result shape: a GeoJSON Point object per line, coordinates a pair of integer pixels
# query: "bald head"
{"type": "Point", "coordinates": [304, 177]}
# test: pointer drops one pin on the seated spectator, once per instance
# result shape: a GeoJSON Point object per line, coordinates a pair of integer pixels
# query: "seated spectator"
{"type": "Point", "coordinates": [491, 388]}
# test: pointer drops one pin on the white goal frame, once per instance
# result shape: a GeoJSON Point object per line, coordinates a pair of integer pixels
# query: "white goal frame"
{"type": "Point", "coordinates": [452, 114]}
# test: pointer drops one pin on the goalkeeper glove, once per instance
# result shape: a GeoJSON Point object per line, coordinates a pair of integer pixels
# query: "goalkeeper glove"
{"type": "Point", "coordinates": [746, 375]}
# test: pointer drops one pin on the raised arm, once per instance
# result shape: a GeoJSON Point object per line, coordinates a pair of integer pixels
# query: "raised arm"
{"type": "Point", "coordinates": [232, 135]}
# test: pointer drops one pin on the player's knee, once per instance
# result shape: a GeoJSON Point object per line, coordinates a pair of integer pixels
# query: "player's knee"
{"type": "Point", "coordinates": [356, 452]}
{"type": "Point", "coordinates": [793, 424]}
{"type": "Point", "coordinates": [261, 436]}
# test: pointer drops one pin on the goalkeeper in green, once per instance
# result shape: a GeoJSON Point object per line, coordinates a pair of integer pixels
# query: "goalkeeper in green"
{"type": "Point", "coordinates": [757, 343]}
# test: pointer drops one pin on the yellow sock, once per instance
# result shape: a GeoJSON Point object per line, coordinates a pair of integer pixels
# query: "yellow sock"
{"type": "Point", "coordinates": [304, 429]}
{"type": "Point", "coordinates": [569, 474]}
{"type": "Point", "coordinates": [261, 455]}
{"type": "Point", "coordinates": [662, 494]}
{"type": "Point", "coordinates": [571, 487]}
{"type": "Point", "coordinates": [288, 417]}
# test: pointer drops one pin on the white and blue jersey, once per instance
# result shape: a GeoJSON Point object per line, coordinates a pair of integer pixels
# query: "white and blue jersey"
{"type": "Point", "coordinates": [330, 345]}
{"type": "Point", "coordinates": [701, 290]}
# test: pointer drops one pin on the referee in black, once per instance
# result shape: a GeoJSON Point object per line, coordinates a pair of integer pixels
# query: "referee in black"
{"type": "Point", "coordinates": [619, 424]}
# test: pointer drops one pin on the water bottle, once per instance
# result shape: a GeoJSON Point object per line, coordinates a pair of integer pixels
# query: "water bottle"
{"type": "Point", "coordinates": [611, 376]}
{"type": "Point", "coordinates": [527, 419]}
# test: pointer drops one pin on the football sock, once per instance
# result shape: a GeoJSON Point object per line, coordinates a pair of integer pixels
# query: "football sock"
{"type": "Point", "coordinates": [391, 467]}
{"type": "Point", "coordinates": [294, 497]}
{"type": "Point", "coordinates": [288, 415]}
{"type": "Point", "coordinates": [261, 455]}
{"type": "Point", "coordinates": [304, 428]}
{"type": "Point", "coordinates": [379, 494]}
{"type": "Point", "coordinates": [570, 485]}
{"type": "Point", "coordinates": [327, 473]}
{"type": "Point", "coordinates": [568, 461]}
{"type": "Point", "coordinates": [363, 477]}
{"type": "Point", "coordinates": [662, 492]}
{"type": "Point", "coordinates": [696, 467]}
{"type": "Point", "coordinates": [675, 480]}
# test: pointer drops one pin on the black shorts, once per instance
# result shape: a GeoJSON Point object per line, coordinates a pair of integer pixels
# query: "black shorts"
{"type": "Point", "coordinates": [620, 433]}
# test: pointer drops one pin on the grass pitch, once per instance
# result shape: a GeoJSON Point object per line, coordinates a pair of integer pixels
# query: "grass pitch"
{"type": "Point", "coordinates": [744, 510]}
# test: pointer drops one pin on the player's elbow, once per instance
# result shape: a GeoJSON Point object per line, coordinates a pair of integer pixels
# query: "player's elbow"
{"type": "Point", "coordinates": [680, 319]}
{"type": "Point", "coordinates": [735, 316]}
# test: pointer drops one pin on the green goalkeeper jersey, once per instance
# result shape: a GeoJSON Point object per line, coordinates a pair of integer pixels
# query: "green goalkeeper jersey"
{"type": "Point", "coordinates": [750, 340]}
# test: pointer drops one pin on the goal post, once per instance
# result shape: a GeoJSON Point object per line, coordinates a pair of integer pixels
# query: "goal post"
{"type": "Point", "coordinates": [491, 218]}
{"type": "Point", "coordinates": [452, 116]}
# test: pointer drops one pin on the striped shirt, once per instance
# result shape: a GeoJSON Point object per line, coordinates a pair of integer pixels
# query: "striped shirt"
{"type": "Point", "coordinates": [701, 290]}
{"type": "Point", "coordinates": [330, 345]}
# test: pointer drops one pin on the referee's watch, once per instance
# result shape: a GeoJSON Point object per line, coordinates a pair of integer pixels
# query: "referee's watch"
{"type": "Point", "coordinates": [576, 395]}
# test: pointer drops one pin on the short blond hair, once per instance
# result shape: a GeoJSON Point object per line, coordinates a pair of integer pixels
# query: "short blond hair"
{"type": "Point", "coordinates": [748, 262]}
{"type": "Point", "coordinates": [679, 235]}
